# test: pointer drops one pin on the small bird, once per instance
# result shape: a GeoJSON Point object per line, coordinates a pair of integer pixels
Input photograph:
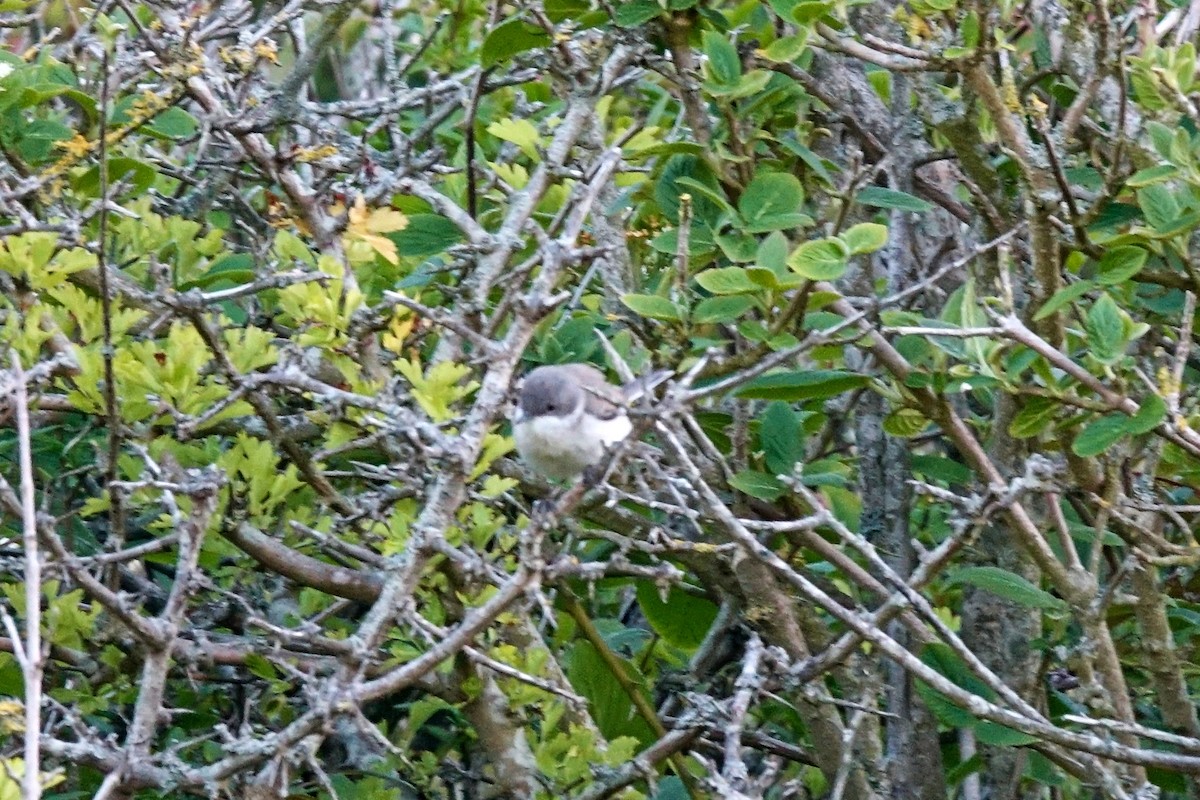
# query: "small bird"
{"type": "Point", "coordinates": [568, 415]}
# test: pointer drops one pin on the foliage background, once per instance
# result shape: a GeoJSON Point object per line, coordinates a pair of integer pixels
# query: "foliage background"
{"type": "Point", "coordinates": [913, 520]}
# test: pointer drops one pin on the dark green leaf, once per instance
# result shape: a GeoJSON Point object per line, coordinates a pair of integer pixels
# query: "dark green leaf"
{"type": "Point", "coordinates": [510, 38]}
{"type": "Point", "coordinates": [562, 10]}
{"type": "Point", "coordinates": [721, 309]}
{"type": "Point", "coordinates": [608, 702]}
{"type": "Point", "coordinates": [1105, 330]}
{"type": "Point", "coordinates": [653, 307]}
{"type": "Point", "coordinates": [711, 193]}
{"type": "Point", "coordinates": [1000, 736]}
{"type": "Point", "coordinates": [1044, 771]}
{"type": "Point", "coordinates": [174, 123]}
{"type": "Point", "coordinates": [780, 437]}
{"type": "Point", "coordinates": [1158, 205]}
{"type": "Point", "coordinates": [1113, 214]}
{"type": "Point", "coordinates": [758, 484]}
{"type": "Point", "coordinates": [802, 385]}
{"type": "Point", "coordinates": [1150, 413]}
{"type": "Point", "coordinates": [426, 235]}
{"type": "Point", "coordinates": [1120, 264]}
{"type": "Point", "coordinates": [260, 666]}
{"type": "Point", "coordinates": [630, 15]}
{"type": "Point", "coordinates": [879, 197]}
{"type": "Point", "coordinates": [683, 620]}
{"type": "Point", "coordinates": [723, 62]}
{"type": "Point", "coordinates": [809, 11]}
{"type": "Point", "coordinates": [138, 175]}
{"type": "Point", "coordinates": [699, 241]}
{"type": "Point", "coordinates": [667, 189]}
{"type": "Point", "coordinates": [737, 247]}
{"type": "Point", "coordinates": [1062, 297]}
{"type": "Point", "coordinates": [672, 788]}
{"type": "Point", "coordinates": [1037, 415]}
{"type": "Point", "coordinates": [230, 270]}
{"type": "Point", "coordinates": [940, 468]}
{"type": "Point", "coordinates": [1098, 435]}
{"type": "Point", "coordinates": [1008, 585]}
{"type": "Point", "coordinates": [727, 280]}
{"type": "Point", "coordinates": [819, 166]}
{"type": "Point", "coordinates": [770, 195]}
{"type": "Point", "coordinates": [772, 254]}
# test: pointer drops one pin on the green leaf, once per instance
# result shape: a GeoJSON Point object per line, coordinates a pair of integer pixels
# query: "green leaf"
{"type": "Point", "coordinates": [758, 484]}
{"type": "Point", "coordinates": [941, 468]}
{"type": "Point", "coordinates": [1105, 328]}
{"type": "Point", "coordinates": [1062, 297]}
{"type": "Point", "coordinates": [231, 270]}
{"type": "Point", "coordinates": [667, 190]}
{"type": "Point", "coordinates": [1037, 415]}
{"type": "Point", "coordinates": [770, 198]}
{"type": "Point", "coordinates": [808, 12]}
{"type": "Point", "coordinates": [787, 48]}
{"type": "Point", "coordinates": [38, 140]}
{"type": "Point", "coordinates": [711, 193]}
{"type": "Point", "coordinates": [905, 423]}
{"type": "Point", "coordinates": [1120, 264]}
{"type": "Point", "coordinates": [260, 666]}
{"type": "Point", "coordinates": [879, 197]}
{"type": "Point", "coordinates": [772, 254]}
{"type": "Point", "coordinates": [1008, 585]}
{"type": "Point", "coordinates": [683, 619]}
{"type": "Point", "coordinates": [750, 83]}
{"type": "Point", "coordinates": [939, 657]}
{"type": "Point", "coordinates": [820, 259]}
{"type": "Point", "coordinates": [1151, 412]}
{"type": "Point", "coordinates": [630, 15]}
{"type": "Point", "coordinates": [426, 235]}
{"type": "Point", "coordinates": [608, 702]}
{"type": "Point", "coordinates": [727, 280]}
{"type": "Point", "coordinates": [653, 307]}
{"type": "Point", "coordinates": [723, 62]}
{"type": "Point", "coordinates": [699, 241]}
{"type": "Point", "coordinates": [510, 38]}
{"type": "Point", "coordinates": [173, 123]}
{"type": "Point", "coordinates": [781, 438]}
{"type": "Point", "coordinates": [737, 246]}
{"type": "Point", "coordinates": [563, 10]}
{"type": "Point", "coordinates": [865, 237]}
{"type": "Point", "coordinates": [989, 732]}
{"type": "Point", "coordinates": [721, 309]}
{"type": "Point", "coordinates": [767, 279]}
{"type": "Point", "coordinates": [1098, 435]}
{"type": "Point", "coordinates": [1155, 174]}
{"type": "Point", "coordinates": [802, 385]}
{"type": "Point", "coordinates": [520, 132]}
{"type": "Point", "coordinates": [1158, 205]}
{"type": "Point", "coordinates": [138, 175]}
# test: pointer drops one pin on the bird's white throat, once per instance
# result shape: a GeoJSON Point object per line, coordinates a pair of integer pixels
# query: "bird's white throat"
{"type": "Point", "coordinates": [563, 447]}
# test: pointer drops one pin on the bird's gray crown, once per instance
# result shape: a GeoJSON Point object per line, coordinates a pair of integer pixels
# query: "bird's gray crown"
{"type": "Point", "coordinates": [557, 391]}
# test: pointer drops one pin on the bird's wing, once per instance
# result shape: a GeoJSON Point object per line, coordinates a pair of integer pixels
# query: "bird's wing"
{"type": "Point", "coordinates": [601, 398]}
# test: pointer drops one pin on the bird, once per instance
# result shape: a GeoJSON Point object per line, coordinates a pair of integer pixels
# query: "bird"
{"type": "Point", "coordinates": [569, 415]}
